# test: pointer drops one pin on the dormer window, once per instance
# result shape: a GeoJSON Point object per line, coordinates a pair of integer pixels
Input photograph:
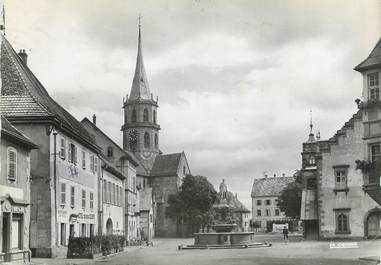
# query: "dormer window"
{"type": "Point", "coordinates": [374, 86]}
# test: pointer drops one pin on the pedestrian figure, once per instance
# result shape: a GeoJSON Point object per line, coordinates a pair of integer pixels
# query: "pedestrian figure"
{"type": "Point", "coordinates": [285, 234]}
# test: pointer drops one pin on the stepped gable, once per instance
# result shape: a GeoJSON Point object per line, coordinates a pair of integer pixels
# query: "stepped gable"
{"type": "Point", "coordinates": [24, 98]}
{"type": "Point", "coordinates": [166, 165]}
{"type": "Point", "coordinates": [270, 186]}
{"type": "Point", "coordinates": [373, 60]}
{"type": "Point", "coordinates": [347, 126]}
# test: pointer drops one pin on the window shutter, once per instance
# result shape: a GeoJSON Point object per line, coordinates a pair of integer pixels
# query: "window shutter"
{"type": "Point", "coordinates": [12, 160]}
{"type": "Point", "coordinates": [69, 152]}
{"type": "Point", "coordinates": [74, 154]}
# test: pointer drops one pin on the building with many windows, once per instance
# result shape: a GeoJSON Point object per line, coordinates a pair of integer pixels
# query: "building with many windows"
{"type": "Point", "coordinates": [119, 169]}
{"type": "Point", "coordinates": [264, 195]}
{"type": "Point", "coordinates": [15, 150]}
{"type": "Point", "coordinates": [64, 170]}
{"type": "Point", "coordinates": [341, 176]}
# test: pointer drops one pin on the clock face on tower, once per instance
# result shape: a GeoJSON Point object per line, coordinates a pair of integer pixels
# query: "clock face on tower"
{"type": "Point", "coordinates": [146, 155]}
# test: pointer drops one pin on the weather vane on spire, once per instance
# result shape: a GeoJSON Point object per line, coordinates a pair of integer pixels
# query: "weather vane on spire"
{"type": "Point", "coordinates": [140, 19]}
{"type": "Point", "coordinates": [311, 125]}
{"type": "Point", "coordinates": [2, 26]}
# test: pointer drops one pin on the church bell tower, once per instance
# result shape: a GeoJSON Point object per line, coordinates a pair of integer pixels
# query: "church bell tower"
{"type": "Point", "coordinates": [140, 128]}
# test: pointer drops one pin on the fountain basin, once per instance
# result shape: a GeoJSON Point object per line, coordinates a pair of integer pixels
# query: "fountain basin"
{"type": "Point", "coordinates": [223, 238]}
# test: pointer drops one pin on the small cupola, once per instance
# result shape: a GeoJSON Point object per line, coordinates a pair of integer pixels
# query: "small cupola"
{"type": "Point", "coordinates": [23, 56]}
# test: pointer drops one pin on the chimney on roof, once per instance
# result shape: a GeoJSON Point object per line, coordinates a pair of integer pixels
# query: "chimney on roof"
{"type": "Point", "coordinates": [23, 56]}
{"type": "Point", "coordinates": [283, 174]}
{"type": "Point", "coordinates": [274, 175]}
{"type": "Point", "coordinates": [94, 119]}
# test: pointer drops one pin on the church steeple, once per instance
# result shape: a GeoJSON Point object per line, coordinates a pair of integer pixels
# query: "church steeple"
{"type": "Point", "coordinates": [141, 128]}
{"type": "Point", "coordinates": [140, 88]}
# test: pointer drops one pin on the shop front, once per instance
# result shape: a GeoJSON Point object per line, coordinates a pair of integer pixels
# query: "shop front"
{"type": "Point", "coordinates": [15, 231]}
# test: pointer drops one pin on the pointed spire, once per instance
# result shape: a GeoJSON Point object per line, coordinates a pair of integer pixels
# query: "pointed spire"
{"type": "Point", "coordinates": [140, 88]}
{"type": "Point", "coordinates": [311, 136]}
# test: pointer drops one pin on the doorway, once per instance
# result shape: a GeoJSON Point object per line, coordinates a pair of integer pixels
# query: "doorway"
{"type": "Point", "coordinates": [109, 227]}
{"type": "Point", "coordinates": [373, 222]}
{"type": "Point", "coordinates": [5, 233]}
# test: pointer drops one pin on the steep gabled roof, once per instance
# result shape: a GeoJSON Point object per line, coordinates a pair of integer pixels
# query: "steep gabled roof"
{"type": "Point", "coordinates": [373, 60]}
{"type": "Point", "coordinates": [270, 186]}
{"type": "Point", "coordinates": [166, 165]}
{"type": "Point", "coordinates": [140, 88]}
{"type": "Point", "coordinates": [10, 132]}
{"type": "Point", "coordinates": [24, 98]}
{"type": "Point", "coordinates": [130, 156]}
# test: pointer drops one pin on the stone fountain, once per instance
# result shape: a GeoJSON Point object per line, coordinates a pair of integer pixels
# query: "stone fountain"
{"type": "Point", "coordinates": [225, 232]}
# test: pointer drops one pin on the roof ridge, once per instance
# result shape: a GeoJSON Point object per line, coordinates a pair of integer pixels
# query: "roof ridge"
{"type": "Point", "coordinates": [23, 78]}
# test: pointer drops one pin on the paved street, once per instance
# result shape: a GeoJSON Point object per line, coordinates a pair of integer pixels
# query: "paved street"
{"type": "Point", "coordinates": [164, 252]}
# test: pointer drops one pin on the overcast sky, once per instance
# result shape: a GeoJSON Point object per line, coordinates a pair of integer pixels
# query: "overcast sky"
{"type": "Point", "coordinates": [235, 79]}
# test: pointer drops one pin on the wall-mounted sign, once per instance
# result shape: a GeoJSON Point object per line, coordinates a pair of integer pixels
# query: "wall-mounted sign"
{"type": "Point", "coordinates": [73, 218]}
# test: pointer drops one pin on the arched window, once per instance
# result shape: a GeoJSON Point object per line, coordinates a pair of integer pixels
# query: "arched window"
{"type": "Point", "coordinates": [146, 140]}
{"type": "Point", "coordinates": [145, 115]}
{"type": "Point", "coordinates": [156, 141]}
{"type": "Point", "coordinates": [12, 164]}
{"type": "Point", "coordinates": [133, 115]}
{"type": "Point", "coordinates": [134, 138]}
{"type": "Point", "coordinates": [342, 223]}
{"type": "Point", "coordinates": [154, 116]}
{"type": "Point", "coordinates": [110, 152]}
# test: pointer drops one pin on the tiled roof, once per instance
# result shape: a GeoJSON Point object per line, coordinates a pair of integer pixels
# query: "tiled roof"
{"type": "Point", "coordinates": [7, 130]}
{"type": "Point", "coordinates": [145, 199]}
{"type": "Point", "coordinates": [373, 60]}
{"type": "Point", "coordinates": [166, 165]}
{"type": "Point", "coordinates": [128, 154]}
{"type": "Point", "coordinates": [140, 88]}
{"type": "Point", "coordinates": [26, 98]}
{"type": "Point", "coordinates": [270, 186]}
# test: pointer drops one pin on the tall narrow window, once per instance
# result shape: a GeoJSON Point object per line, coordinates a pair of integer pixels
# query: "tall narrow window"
{"type": "Point", "coordinates": [145, 115]}
{"type": "Point", "coordinates": [95, 164]}
{"type": "Point", "coordinates": [83, 199]}
{"type": "Point", "coordinates": [110, 152]}
{"type": "Point", "coordinates": [134, 138]}
{"type": "Point", "coordinates": [342, 221]}
{"type": "Point", "coordinates": [63, 148]}
{"type": "Point", "coordinates": [156, 141]}
{"type": "Point", "coordinates": [72, 153]}
{"type": "Point", "coordinates": [133, 115]}
{"type": "Point", "coordinates": [63, 193]}
{"type": "Point", "coordinates": [72, 196]}
{"type": "Point", "coordinates": [113, 193]}
{"type": "Point", "coordinates": [154, 116]}
{"type": "Point", "coordinates": [63, 234]}
{"type": "Point", "coordinates": [375, 151]}
{"type": "Point", "coordinates": [91, 200]}
{"type": "Point", "coordinates": [146, 140]}
{"type": "Point", "coordinates": [109, 192]}
{"type": "Point", "coordinates": [267, 212]}
{"type": "Point", "coordinates": [92, 163]}
{"type": "Point", "coordinates": [12, 164]}
{"type": "Point", "coordinates": [259, 213]}
{"type": "Point", "coordinates": [104, 190]}
{"type": "Point", "coordinates": [276, 212]}
{"type": "Point", "coordinates": [83, 159]}
{"type": "Point", "coordinates": [373, 86]}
